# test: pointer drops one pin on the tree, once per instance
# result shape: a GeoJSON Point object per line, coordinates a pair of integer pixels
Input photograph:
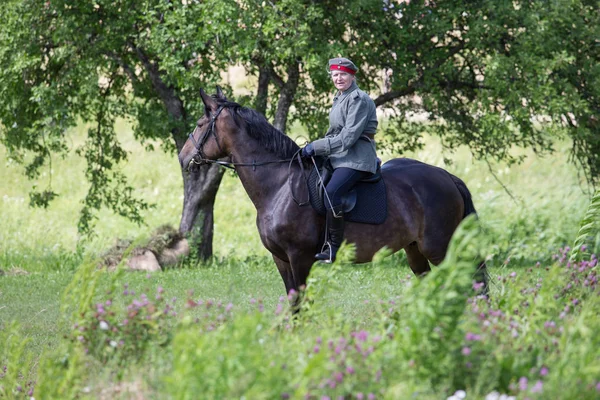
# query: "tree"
{"type": "Point", "coordinates": [98, 61]}
{"type": "Point", "coordinates": [490, 75]}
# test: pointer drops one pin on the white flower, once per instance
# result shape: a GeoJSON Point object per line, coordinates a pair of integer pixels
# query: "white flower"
{"type": "Point", "coordinates": [492, 396]}
{"type": "Point", "coordinates": [461, 394]}
{"type": "Point", "coordinates": [103, 325]}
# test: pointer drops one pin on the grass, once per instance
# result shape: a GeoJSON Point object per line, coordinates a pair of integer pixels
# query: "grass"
{"type": "Point", "coordinates": [39, 258]}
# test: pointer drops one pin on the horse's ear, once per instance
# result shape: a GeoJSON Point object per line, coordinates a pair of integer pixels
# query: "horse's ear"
{"type": "Point", "coordinates": [220, 94]}
{"type": "Point", "coordinates": [209, 103]}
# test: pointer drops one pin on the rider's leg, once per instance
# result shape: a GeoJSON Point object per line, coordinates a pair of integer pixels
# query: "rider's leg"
{"type": "Point", "coordinates": [342, 180]}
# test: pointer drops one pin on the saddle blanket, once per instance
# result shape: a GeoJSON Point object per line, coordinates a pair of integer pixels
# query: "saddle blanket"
{"type": "Point", "coordinates": [371, 200]}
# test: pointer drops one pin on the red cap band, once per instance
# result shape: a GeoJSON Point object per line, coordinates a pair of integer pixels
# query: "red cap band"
{"type": "Point", "coordinates": [342, 68]}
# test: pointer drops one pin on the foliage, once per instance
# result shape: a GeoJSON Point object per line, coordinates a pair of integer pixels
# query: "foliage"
{"type": "Point", "coordinates": [533, 338]}
{"type": "Point", "coordinates": [122, 337]}
{"type": "Point", "coordinates": [15, 363]}
{"type": "Point", "coordinates": [588, 229]}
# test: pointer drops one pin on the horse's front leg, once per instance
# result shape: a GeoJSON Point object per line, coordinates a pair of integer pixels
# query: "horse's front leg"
{"type": "Point", "coordinates": [285, 269]}
{"type": "Point", "coordinates": [294, 275]}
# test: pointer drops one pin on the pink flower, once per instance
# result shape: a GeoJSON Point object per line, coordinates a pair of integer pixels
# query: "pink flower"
{"type": "Point", "coordinates": [466, 351]}
{"type": "Point", "coordinates": [362, 336]}
{"type": "Point", "coordinates": [538, 387]}
{"type": "Point", "coordinates": [544, 371]}
{"type": "Point", "coordinates": [523, 383]}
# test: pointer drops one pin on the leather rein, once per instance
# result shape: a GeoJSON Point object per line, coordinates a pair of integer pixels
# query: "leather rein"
{"type": "Point", "coordinates": [199, 158]}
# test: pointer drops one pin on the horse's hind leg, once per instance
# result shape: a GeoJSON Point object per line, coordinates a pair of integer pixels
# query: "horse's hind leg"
{"type": "Point", "coordinates": [417, 261]}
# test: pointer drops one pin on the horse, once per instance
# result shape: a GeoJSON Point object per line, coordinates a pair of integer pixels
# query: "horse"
{"type": "Point", "coordinates": [425, 203]}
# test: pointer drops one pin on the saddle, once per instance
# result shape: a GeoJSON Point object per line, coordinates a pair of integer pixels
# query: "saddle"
{"type": "Point", "coordinates": [365, 203]}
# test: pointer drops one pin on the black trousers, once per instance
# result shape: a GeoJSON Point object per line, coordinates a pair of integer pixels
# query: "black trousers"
{"type": "Point", "coordinates": [342, 180]}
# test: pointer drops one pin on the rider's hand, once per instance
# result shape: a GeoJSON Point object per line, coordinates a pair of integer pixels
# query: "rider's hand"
{"type": "Point", "coordinates": [307, 151]}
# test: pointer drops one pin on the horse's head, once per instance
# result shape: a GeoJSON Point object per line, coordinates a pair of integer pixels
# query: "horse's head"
{"type": "Point", "coordinates": [209, 140]}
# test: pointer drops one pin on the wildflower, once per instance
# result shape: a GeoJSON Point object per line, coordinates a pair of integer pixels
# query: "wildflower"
{"type": "Point", "coordinates": [460, 394]}
{"type": "Point", "coordinates": [349, 370]}
{"type": "Point", "coordinates": [338, 377]}
{"type": "Point", "coordinates": [523, 383]}
{"type": "Point", "coordinates": [466, 351]}
{"type": "Point", "coordinates": [103, 325]}
{"type": "Point", "coordinates": [544, 371]}
{"type": "Point", "coordinates": [538, 387]}
{"type": "Point", "coordinates": [371, 396]}
{"type": "Point", "coordinates": [472, 337]}
{"type": "Point", "coordinates": [292, 294]}
{"type": "Point", "coordinates": [362, 336]}
{"type": "Point", "coordinates": [316, 349]}
{"type": "Point", "coordinates": [360, 396]}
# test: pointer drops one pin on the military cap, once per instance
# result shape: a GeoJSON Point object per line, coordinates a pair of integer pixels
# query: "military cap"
{"type": "Point", "coordinates": [342, 64]}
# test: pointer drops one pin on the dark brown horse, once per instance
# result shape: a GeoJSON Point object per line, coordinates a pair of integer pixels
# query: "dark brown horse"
{"type": "Point", "coordinates": [425, 203]}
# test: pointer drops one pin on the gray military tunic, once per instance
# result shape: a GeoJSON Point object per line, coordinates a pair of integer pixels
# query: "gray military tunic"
{"type": "Point", "coordinates": [352, 115]}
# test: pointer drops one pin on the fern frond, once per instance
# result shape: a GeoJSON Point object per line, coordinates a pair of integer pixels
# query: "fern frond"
{"type": "Point", "coordinates": [589, 228]}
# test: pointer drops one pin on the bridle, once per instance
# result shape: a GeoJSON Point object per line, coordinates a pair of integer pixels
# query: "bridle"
{"type": "Point", "coordinates": [199, 158]}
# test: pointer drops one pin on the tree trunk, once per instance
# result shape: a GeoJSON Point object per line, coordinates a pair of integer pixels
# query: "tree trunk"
{"type": "Point", "coordinates": [262, 92]}
{"type": "Point", "coordinates": [197, 220]}
{"type": "Point", "coordinates": [199, 188]}
{"type": "Point", "coordinates": [286, 96]}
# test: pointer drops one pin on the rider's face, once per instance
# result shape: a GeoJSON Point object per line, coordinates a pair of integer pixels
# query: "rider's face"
{"type": "Point", "coordinates": [342, 80]}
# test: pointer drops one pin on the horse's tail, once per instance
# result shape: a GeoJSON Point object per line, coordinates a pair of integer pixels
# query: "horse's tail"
{"type": "Point", "coordinates": [481, 276]}
{"type": "Point", "coordinates": [466, 195]}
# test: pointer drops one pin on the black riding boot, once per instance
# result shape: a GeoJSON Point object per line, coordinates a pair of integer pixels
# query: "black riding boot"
{"type": "Point", "coordinates": [335, 228]}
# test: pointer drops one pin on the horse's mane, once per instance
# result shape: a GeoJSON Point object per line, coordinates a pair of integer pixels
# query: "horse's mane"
{"type": "Point", "coordinates": [258, 128]}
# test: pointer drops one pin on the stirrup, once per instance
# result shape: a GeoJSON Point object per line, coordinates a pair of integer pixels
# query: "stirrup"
{"type": "Point", "coordinates": [322, 256]}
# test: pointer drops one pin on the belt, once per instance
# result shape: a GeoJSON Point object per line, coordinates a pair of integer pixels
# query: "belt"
{"type": "Point", "coordinates": [371, 136]}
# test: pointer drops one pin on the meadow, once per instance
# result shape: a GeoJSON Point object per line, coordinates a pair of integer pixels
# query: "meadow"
{"type": "Point", "coordinates": [222, 329]}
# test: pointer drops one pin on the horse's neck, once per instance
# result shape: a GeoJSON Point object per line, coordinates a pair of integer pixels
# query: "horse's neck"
{"type": "Point", "coordinates": [264, 183]}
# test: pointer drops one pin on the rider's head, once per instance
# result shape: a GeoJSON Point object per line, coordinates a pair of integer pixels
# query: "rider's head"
{"type": "Point", "coordinates": [342, 72]}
